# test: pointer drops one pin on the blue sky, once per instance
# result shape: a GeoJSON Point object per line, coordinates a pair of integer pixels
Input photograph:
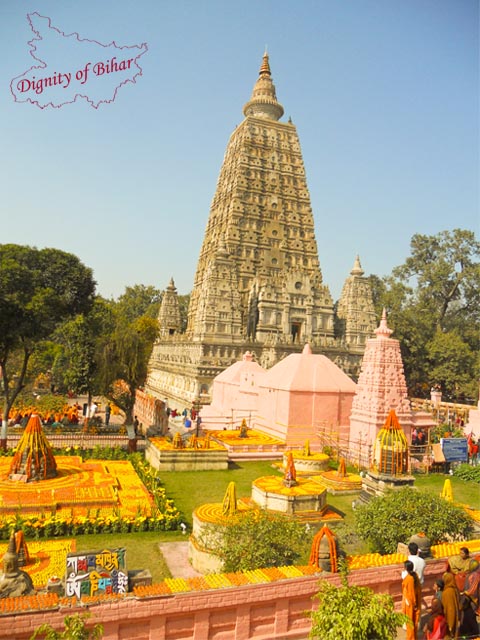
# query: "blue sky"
{"type": "Point", "coordinates": [384, 95]}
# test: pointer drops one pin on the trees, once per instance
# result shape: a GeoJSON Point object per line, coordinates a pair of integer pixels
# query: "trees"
{"type": "Point", "coordinates": [386, 521]}
{"type": "Point", "coordinates": [257, 539]}
{"type": "Point", "coordinates": [354, 613]}
{"type": "Point", "coordinates": [436, 293]}
{"type": "Point", "coordinates": [39, 289]}
{"type": "Point", "coordinates": [139, 300]}
{"type": "Point", "coordinates": [80, 340]}
{"type": "Point", "coordinates": [125, 351]}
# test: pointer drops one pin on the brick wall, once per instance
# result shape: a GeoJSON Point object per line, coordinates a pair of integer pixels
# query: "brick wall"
{"type": "Point", "coordinates": [273, 611]}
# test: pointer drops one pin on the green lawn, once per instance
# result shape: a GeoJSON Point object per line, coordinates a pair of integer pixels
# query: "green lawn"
{"type": "Point", "coordinates": [189, 489]}
{"type": "Point", "coordinates": [142, 551]}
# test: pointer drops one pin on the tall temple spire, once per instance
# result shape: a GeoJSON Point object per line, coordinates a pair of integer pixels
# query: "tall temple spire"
{"type": "Point", "coordinates": [263, 103]}
{"type": "Point", "coordinates": [258, 283]}
{"type": "Point", "coordinates": [356, 319]}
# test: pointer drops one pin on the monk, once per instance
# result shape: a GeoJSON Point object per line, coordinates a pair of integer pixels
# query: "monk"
{"type": "Point", "coordinates": [411, 599]}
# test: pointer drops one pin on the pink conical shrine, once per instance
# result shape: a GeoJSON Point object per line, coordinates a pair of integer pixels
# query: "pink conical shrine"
{"type": "Point", "coordinates": [381, 387]}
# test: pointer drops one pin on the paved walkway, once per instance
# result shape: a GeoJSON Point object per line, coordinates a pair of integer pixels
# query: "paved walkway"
{"type": "Point", "coordinates": [176, 557]}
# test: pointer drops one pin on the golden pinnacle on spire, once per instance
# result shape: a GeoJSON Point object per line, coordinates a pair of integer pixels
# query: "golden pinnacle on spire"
{"type": "Point", "coordinates": [265, 68]}
{"type": "Point", "coordinates": [263, 103]}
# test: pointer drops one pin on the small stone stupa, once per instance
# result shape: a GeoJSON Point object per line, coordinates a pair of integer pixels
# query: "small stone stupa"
{"type": "Point", "coordinates": [34, 459]}
{"type": "Point", "coordinates": [390, 460]}
{"type": "Point", "coordinates": [14, 582]}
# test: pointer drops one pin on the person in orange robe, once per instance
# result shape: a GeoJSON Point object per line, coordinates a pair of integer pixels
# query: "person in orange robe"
{"type": "Point", "coordinates": [411, 599]}
{"type": "Point", "coordinates": [451, 605]}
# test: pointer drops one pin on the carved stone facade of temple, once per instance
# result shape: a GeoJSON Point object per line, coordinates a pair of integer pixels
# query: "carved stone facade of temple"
{"type": "Point", "coordinates": [356, 321]}
{"type": "Point", "coordinates": [258, 284]}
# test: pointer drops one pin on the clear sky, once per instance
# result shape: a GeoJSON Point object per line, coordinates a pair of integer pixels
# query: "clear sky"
{"type": "Point", "coordinates": [384, 94]}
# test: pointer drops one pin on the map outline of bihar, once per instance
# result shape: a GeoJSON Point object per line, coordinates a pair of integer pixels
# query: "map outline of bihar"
{"type": "Point", "coordinates": [72, 67]}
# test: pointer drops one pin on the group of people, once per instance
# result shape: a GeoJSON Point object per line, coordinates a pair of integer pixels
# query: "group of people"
{"type": "Point", "coordinates": [455, 605]}
{"type": "Point", "coordinates": [418, 437]}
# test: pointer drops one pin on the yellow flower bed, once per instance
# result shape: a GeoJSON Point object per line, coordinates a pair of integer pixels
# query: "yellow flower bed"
{"type": "Point", "coordinates": [445, 550]}
{"type": "Point", "coordinates": [48, 558]}
{"type": "Point", "coordinates": [274, 484]}
{"type": "Point", "coordinates": [106, 487]}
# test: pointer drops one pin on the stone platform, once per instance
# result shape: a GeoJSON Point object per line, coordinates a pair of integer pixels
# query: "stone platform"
{"type": "Point", "coordinates": [160, 453]}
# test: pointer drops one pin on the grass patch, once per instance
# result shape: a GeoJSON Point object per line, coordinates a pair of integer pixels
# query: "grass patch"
{"type": "Point", "coordinates": [190, 489]}
{"type": "Point", "coordinates": [463, 491]}
{"type": "Point", "coordinates": [142, 550]}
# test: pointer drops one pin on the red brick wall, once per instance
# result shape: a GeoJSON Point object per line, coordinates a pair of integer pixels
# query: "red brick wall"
{"type": "Point", "coordinates": [259, 612]}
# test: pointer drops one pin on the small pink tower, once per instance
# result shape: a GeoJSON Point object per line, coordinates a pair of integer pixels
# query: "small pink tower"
{"type": "Point", "coordinates": [381, 387]}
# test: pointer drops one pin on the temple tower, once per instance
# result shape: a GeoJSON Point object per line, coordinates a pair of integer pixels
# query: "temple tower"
{"type": "Point", "coordinates": [169, 321]}
{"type": "Point", "coordinates": [261, 227]}
{"type": "Point", "coordinates": [258, 284]}
{"type": "Point", "coordinates": [356, 321]}
{"type": "Point", "coordinates": [381, 387]}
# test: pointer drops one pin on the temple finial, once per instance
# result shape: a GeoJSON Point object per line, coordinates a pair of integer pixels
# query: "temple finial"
{"type": "Point", "coordinates": [383, 330]}
{"type": "Point", "coordinates": [265, 68]}
{"type": "Point", "coordinates": [263, 103]}
{"type": "Point", "coordinates": [357, 268]}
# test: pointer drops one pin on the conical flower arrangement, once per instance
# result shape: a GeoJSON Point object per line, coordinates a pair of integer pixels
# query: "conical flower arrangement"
{"type": "Point", "coordinates": [391, 447]}
{"type": "Point", "coordinates": [34, 459]}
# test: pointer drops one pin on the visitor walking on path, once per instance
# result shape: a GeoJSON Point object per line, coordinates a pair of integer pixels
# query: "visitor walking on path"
{"type": "Point", "coordinates": [411, 599]}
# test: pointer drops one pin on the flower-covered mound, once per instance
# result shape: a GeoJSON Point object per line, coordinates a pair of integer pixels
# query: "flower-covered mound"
{"type": "Point", "coordinates": [274, 484]}
{"type": "Point", "coordinates": [231, 437]}
{"type": "Point", "coordinates": [110, 487]}
{"type": "Point", "coordinates": [212, 513]}
{"type": "Point", "coordinates": [47, 558]}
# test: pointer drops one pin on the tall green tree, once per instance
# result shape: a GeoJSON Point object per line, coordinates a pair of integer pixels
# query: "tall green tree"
{"type": "Point", "coordinates": [436, 291]}
{"type": "Point", "coordinates": [39, 289]}
{"type": "Point", "coordinates": [139, 300]}
{"type": "Point", "coordinates": [81, 339]}
{"type": "Point", "coordinates": [125, 351]}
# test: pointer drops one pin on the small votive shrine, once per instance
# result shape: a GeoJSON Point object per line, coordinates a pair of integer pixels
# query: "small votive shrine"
{"type": "Point", "coordinates": [209, 521]}
{"type": "Point", "coordinates": [34, 459]}
{"type": "Point", "coordinates": [289, 495]}
{"type": "Point", "coordinates": [340, 480]}
{"type": "Point", "coordinates": [325, 550]}
{"type": "Point", "coordinates": [390, 461]}
{"type": "Point", "coordinates": [306, 461]}
{"type": "Point", "coordinates": [194, 454]}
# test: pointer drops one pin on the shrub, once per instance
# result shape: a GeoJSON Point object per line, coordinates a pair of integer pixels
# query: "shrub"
{"type": "Point", "coordinates": [75, 629]}
{"type": "Point", "coordinates": [398, 515]}
{"type": "Point", "coordinates": [256, 539]}
{"type": "Point", "coordinates": [354, 613]}
{"type": "Point", "coordinates": [468, 472]}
